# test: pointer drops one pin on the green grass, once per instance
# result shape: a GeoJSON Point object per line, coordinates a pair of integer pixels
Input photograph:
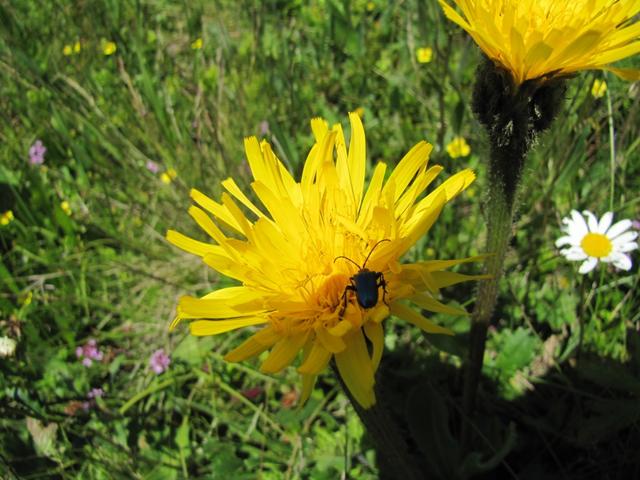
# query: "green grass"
{"type": "Point", "coordinates": [105, 271]}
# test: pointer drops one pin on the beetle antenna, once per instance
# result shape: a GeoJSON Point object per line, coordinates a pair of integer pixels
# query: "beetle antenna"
{"type": "Point", "coordinates": [372, 249]}
{"type": "Point", "coordinates": [347, 258]}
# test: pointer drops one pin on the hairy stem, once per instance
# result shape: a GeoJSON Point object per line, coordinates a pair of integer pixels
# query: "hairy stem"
{"type": "Point", "coordinates": [499, 218]}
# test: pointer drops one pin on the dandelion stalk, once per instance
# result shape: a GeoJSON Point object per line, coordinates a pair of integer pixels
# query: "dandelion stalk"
{"type": "Point", "coordinates": [513, 115]}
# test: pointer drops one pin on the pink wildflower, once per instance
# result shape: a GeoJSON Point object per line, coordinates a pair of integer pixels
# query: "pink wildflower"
{"type": "Point", "coordinates": [152, 166]}
{"type": "Point", "coordinates": [36, 153]}
{"type": "Point", "coordinates": [159, 361]}
{"type": "Point", "coordinates": [89, 352]}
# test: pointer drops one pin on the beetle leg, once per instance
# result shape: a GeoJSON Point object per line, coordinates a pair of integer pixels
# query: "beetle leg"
{"type": "Point", "coordinates": [344, 299]}
{"type": "Point", "coordinates": [382, 283]}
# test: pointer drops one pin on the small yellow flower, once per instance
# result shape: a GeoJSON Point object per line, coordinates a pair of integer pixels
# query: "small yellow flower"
{"type": "Point", "coordinates": [109, 48]}
{"type": "Point", "coordinates": [371, 6]}
{"type": "Point", "coordinates": [535, 39]}
{"type": "Point", "coordinates": [458, 148]}
{"type": "Point", "coordinates": [599, 88]}
{"type": "Point", "coordinates": [424, 54]}
{"type": "Point", "coordinates": [172, 173]}
{"type": "Point", "coordinates": [77, 47]}
{"type": "Point", "coordinates": [67, 50]}
{"type": "Point", "coordinates": [66, 208]}
{"type": "Point", "coordinates": [164, 178]}
{"type": "Point", "coordinates": [6, 217]}
{"type": "Point", "coordinates": [27, 298]}
{"type": "Point", "coordinates": [196, 44]}
{"type": "Point", "coordinates": [295, 255]}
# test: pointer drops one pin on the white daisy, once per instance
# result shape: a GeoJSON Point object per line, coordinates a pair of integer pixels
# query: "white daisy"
{"type": "Point", "coordinates": [594, 241]}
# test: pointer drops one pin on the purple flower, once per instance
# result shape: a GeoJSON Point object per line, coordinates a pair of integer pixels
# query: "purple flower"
{"type": "Point", "coordinates": [95, 393]}
{"type": "Point", "coordinates": [264, 128]}
{"type": "Point", "coordinates": [159, 361]}
{"type": "Point", "coordinates": [636, 224]}
{"type": "Point", "coordinates": [36, 153]}
{"type": "Point", "coordinates": [152, 166]}
{"type": "Point", "coordinates": [89, 352]}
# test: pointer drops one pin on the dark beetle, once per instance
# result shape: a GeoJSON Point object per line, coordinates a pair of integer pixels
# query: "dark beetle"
{"type": "Point", "coordinates": [365, 283]}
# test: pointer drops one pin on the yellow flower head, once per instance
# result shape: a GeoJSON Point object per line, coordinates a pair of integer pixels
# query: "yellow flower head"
{"type": "Point", "coordinates": [424, 55]}
{"type": "Point", "coordinates": [458, 148]}
{"type": "Point", "coordinates": [66, 208]}
{"type": "Point", "coordinates": [77, 47]}
{"type": "Point", "coordinates": [168, 176]}
{"type": "Point", "coordinates": [539, 38]}
{"type": "Point", "coordinates": [296, 256]}
{"type": "Point", "coordinates": [67, 50]}
{"type": "Point", "coordinates": [196, 44]}
{"type": "Point", "coordinates": [109, 48]}
{"type": "Point", "coordinates": [6, 218]}
{"type": "Point", "coordinates": [599, 88]}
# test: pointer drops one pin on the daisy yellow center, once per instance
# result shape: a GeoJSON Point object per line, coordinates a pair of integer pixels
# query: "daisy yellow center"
{"type": "Point", "coordinates": [596, 245]}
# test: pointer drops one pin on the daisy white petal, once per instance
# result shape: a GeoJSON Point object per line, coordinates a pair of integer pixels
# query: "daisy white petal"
{"type": "Point", "coordinates": [588, 265]}
{"type": "Point", "coordinates": [578, 226]}
{"type": "Point", "coordinates": [627, 247]}
{"type": "Point", "coordinates": [623, 238]}
{"type": "Point", "coordinates": [566, 240]}
{"type": "Point", "coordinates": [621, 261]}
{"type": "Point", "coordinates": [605, 222]}
{"type": "Point", "coordinates": [592, 221]}
{"type": "Point", "coordinates": [618, 228]}
{"type": "Point", "coordinates": [574, 254]}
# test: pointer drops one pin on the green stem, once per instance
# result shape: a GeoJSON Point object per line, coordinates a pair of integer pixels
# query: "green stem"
{"type": "Point", "coordinates": [392, 448]}
{"type": "Point", "coordinates": [499, 217]}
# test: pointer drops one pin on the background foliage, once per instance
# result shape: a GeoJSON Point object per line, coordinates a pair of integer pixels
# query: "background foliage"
{"type": "Point", "coordinates": [103, 271]}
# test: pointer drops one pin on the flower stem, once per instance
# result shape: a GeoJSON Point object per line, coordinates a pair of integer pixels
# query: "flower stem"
{"type": "Point", "coordinates": [392, 448]}
{"type": "Point", "coordinates": [499, 218]}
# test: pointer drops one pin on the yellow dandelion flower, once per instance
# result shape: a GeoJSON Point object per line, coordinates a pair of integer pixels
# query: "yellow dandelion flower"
{"type": "Point", "coordinates": [197, 44]}
{"type": "Point", "coordinates": [66, 208]}
{"type": "Point", "coordinates": [109, 48]}
{"type": "Point", "coordinates": [77, 47]}
{"type": "Point", "coordinates": [424, 54]}
{"type": "Point", "coordinates": [6, 218]}
{"type": "Point", "coordinates": [599, 88]}
{"type": "Point", "coordinates": [540, 38]}
{"type": "Point", "coordinates": [297, 255]}
{"type": "Point", "coordinates": [67, 50]}
{"type": "Point", "coordinates": [165, 178]}
{"type": "Point", "coordinates": [458, 147]}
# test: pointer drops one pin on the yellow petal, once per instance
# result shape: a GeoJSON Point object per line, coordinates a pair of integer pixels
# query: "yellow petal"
{"type": "Point", "coordinates": [308, 381]}
{"type": "Point", "coordinates": [190, 245]}
{"type": "Point", "coordinates": [253, 346]}
{"type": "Point", "coordinates": [446, 279]}
{"type": "Point", "coordinates": [191, 307]}
{"type": "Point", "coordinates": [356, 370]}
{"type": "Point", "coordinates": [283, 353]}
{"type": "Point", "coordinates": [413, 317]}
{"type": "Point", "coordinates": [429, 303]}
{"type": "Point", "coordinates": [217, 210]}
{"type": "Point", "coordinates": [375, 334]}
{"type": "Point", "coordinates": [230, 185]}
{"type": "Point", "coordinates": [214, 327]}
{"type": "Point", "coordinates": [406, 170]}
{"type": "Point", "coordinates": [332, 343]}
{"type": "Point", "coordinates": [357, 157]}
{"type": "Point", "coordinates": [316, 361]}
